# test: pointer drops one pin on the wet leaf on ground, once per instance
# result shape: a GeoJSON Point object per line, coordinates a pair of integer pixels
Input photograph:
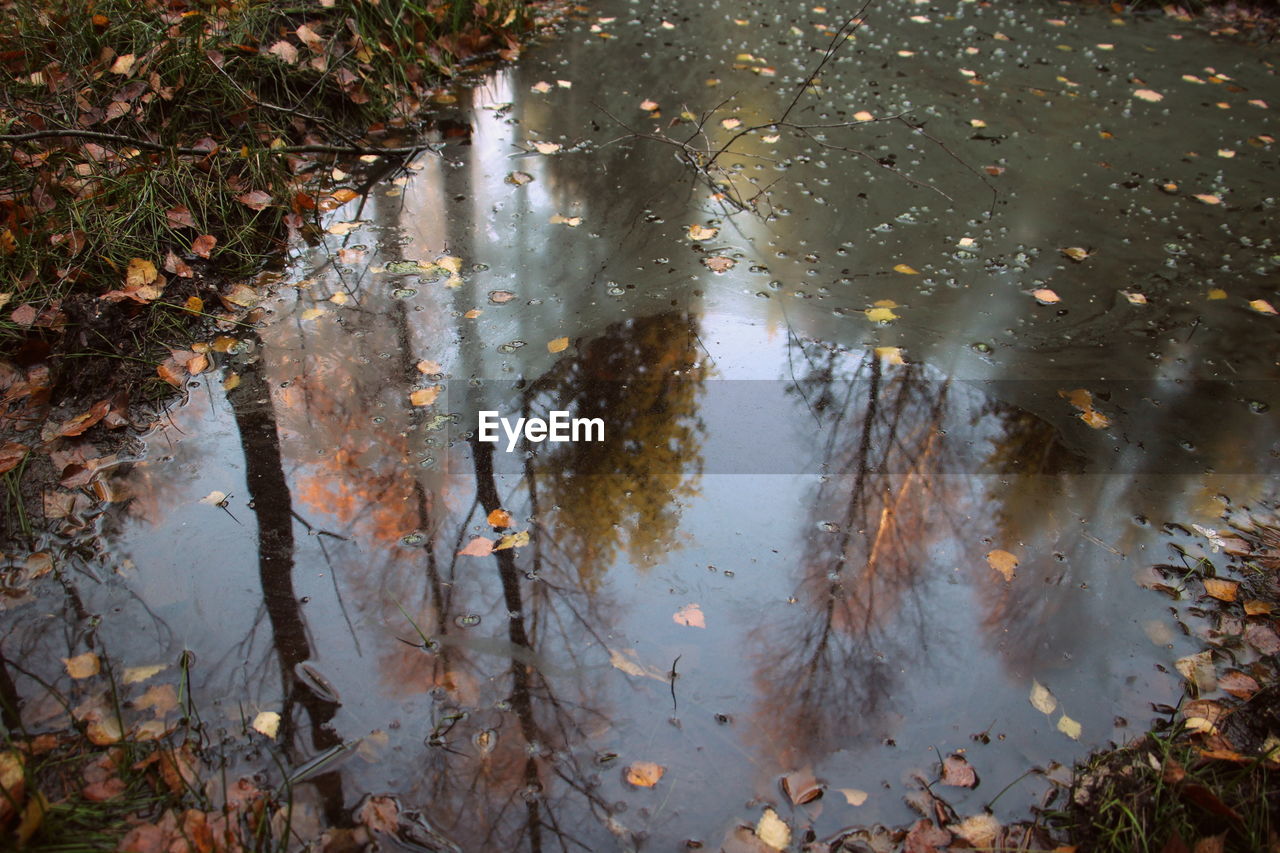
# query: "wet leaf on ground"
{"type": "Point", "coordinates": [1238, 684]}
{"type": "Point", "coordinates": [1198, 669]}
{"type": "Point", "coordinates": [380, 814]}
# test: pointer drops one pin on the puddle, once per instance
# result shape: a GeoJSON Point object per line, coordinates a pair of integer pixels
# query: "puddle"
{"type": "Point", "coordinates": [813, 457]}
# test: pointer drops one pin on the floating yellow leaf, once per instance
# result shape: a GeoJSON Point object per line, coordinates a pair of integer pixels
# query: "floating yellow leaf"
{"type": "Point", "coordinates": [83, 666]}
{"type": "Point", "coordinates": [136, 674]}
{"type": "Point", "coordinates": [311, 313]}
{"type": "Point", "coordinates": [519, 178]}
{"type": "Point", "coordinates": [1041, 699]}
{"type": "Point", "coordinates": [472, 314]}
{"type": "Point", "coordinates": [1262, 306]}
{"type": "Point", "coordinates": [1046, 296]}
{"type": "Point", "coordinates": [648, 105]}
{"type": "Point", "coordinates": [558, 345]}
{"type": "Point", "coordinates": [571, 221]}
{"type": "Point", "coordinates": [1216, 293]}
{"type": "Point", "coordinates": [863, 115]}
{"type": "Point", "coordinates": [546, 147]}
{"type": "Point", "coordinates": [1208, 198]}
{"type": "Point", "coordinates": [699, 232]}
{"type": "Point", "coordinates": [645, 774]}
{"type": "Point", "coordinates": [267, 723]}
{"type": "Point", "coordinates": [890, 355]}
{"type": "Point", "coordinates": [881, 315]}
{"type": "Point", "coordinates": [905, 270]}
{"type": "Point", "coordinates": [1076, 253]}
{"type": "Point", "coordinates": [1069, 727]}
{"type": "Point", "coordinates": [1149, 95]}
{"type": "Point", "coordinates": [731, 123]}
{"type": "Point", "coordinates": [719, 263]}
{"type": "Point", "coordinates": [541, 87]}
{"type": "Point", "coordinates": [426, 366]}
{"type": "Point", "coordinates": [1003, 562]}
{"type": "Point", "coordinates": [1134, 298]}
{"type": "Point", "coordinates": [424, 396]}
{"type": "Point", "coordinates": [512, 540]}
{"type": "Point", "coordinates": [853, 796]}
{"type": "Point", "coordinates": [773, 830]}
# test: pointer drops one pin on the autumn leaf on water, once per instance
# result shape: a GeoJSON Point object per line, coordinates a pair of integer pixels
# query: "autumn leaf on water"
{"type": "Point", "coordinates": [1045, 296]}
{"type": "Point", "coordinates": [1262, 306]}
{"type": "Point", "coordinates": [1198, 669]}
{"type": "Point", "coordinates": [801, 786]}
{"type": "Point", "coordinates": [1003, 562]}
{"type": "Point", "coordinates": [499, 518]}
{"type": "Point", "coordinates": [719, 263]}
{"type": "Point", "coordinates": [83, 666]}
{"type": "Point", "coordinates": [380, 814]}
{"type": "Point", "coordinates": [267, 723]}
{"type": "Point", "coordinates": [1221, 589]}
{"type": "Point", "coordinates": [424, 396]}
{"type": "Point", "coordinates": [1149, 95]}
{"type": "Point", "coordinates": [1076, 253]}
{"type": "Point", "coordinates": [853, 796]}
{"type": "Point", "coordinates": [980, 830]}
{"type": "Point", "coordinates": [905, 269]}
{"type": "Point", "coordinates": [882, 311]}
{"type": "Point", "coordinates": [690, 615]}
{"type": "Point", "coordinates": [519, 179]}
{"type": "Point", "coordinates": [648, 105]}
{"type": "Point", "coordinates": [890, 355]}
{"type": "Point", "coordinates": [1207, 198]}
{"type": "Point", "coordinates": [136, 674]}
{"type": "Point", "coordinates": [863, 115]}
{"type": "Point", "coordinates": [731, 123]}
{"type": "Point", "coordinates": [1134, 298]}
{"type": "Point", "coordinates": [546, 147]}
{"type": "Point", "coordinates": [473, 314]}
{"type": "Point", "coordinates": [480, 546]}
{"type": "Point", "coordinates": [1041, 699]}
{"type": "Point", "coordinates": [700, 232]}
{"type": "Point", "coordinates": [773, 830]}
{"type": "Point", "coordinates": [557, 345]}
{"type": "Point", "coordinates": [214, 498]}
{"type": "Point", "coordinates": [957, 772]}
{"type": "Point", "coordinates": [540, 88]}
{"type": "Point", "coordinates": [571, 221]}
{"type": "Point", "coordinates": [429, 367]}
{"type": "Point", "coordinates": [644, 774]}
{"type": "Point", "coordinates": [501, 297]}
{"type": "Point", "coordinates": [1082, 400]}
{"type": "Point", "coordinates": [512, 540]}
{"type": "Point", "coordinates": [1069, 727]}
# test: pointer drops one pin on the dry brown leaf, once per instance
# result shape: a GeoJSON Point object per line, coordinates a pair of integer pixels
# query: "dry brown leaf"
{"type": "Point", "coordinates": [499, 518]}
{"type": "Point", "coordinates": [203, 245]}
{"type": "Point", "coordinates": [801, 786]}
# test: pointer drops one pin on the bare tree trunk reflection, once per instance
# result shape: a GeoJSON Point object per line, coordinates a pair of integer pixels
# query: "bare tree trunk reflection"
{"type": "Point", "coordinates": [273, 507]}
